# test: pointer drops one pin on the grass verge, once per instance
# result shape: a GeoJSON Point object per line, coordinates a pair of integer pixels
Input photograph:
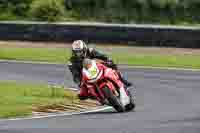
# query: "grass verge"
{"type": "Point", "coordinates": [60, 55]}
{"type": "Point", "coordinates": [19, 99]}
{"type": "Point", "coordinates": [159, 60]}
{"type": "Point", "coordinates": [57, 55]}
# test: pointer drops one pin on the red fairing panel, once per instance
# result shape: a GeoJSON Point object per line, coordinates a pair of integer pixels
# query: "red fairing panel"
{"type": "Point", "coordinates": [112, 75]}
{"type": "Point", "coordinates": [83, 90]}
{"type": "Point", "coordinates": [87, 89]}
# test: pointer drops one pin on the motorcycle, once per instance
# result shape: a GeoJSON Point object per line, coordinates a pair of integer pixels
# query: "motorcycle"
{"type": "Point", "coordinates": [104, 84]}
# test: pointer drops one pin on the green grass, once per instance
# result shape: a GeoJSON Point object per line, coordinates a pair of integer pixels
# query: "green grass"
{"type": "Point", "coordinates": [60, 55]}
{"type": "Point", "coordinates": [159, 60]}
{"type": "Point", "coordinates": [35, 54]}
{"type": "Point", "coordinates": [17, 99]}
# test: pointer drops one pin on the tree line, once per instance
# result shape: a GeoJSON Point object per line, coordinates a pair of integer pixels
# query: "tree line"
{"type": "Point", "coordinates": [118, 11]}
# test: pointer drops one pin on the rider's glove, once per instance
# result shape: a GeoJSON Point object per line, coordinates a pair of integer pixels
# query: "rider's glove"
{"type": "Point", "coordinates": [69, 64]}
{"type": "Point", "coordinates": [109, 62]}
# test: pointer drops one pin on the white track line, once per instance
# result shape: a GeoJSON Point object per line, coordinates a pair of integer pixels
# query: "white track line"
{"type": "Point", "coordinates": [29, 62]}
{"type": "Point", "coordinates": [57, 115]}
{"type": "Point", "coordinates": [121, 66]}
{"type": "Point", "coordinates": [73, 89]}
{"type": "Point", "coordinates": [161, 68]}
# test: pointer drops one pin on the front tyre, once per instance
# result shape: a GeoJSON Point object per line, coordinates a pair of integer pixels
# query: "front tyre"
{"type": "Point", "coordinates": [131, 105]}
{"type": "Point", "coordinates": [113, 100]}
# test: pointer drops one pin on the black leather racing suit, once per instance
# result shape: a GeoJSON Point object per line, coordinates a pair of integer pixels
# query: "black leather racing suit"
{"type": "Point", "coordinates": [76, 63]}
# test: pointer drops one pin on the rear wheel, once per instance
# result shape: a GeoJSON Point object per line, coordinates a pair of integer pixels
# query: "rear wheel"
{"type": "Point", "coordinates": [113, 100]}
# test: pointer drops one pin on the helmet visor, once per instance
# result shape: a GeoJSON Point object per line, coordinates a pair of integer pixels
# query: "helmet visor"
{"type": "Point", "coordinates": [78, 53]}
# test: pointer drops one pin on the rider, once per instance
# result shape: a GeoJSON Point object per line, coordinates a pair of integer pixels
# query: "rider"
{"type": "Point", "coordinates": [80, 51]}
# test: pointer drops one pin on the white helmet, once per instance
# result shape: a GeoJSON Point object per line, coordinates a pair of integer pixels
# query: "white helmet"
{"type": "Point", "coordinates": [79, 48]}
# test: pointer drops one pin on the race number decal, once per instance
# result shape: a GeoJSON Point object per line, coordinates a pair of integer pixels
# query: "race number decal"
{"type": "Point", "coordinates": [93, 72]}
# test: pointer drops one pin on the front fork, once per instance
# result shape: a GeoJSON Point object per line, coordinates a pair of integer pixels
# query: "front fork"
{"type": "Point", "coordinates": [124, 97]}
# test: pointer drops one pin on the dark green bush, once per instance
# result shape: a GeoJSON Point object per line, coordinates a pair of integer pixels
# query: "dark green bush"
{"type": "Point", "coordinates": [17, 7]}
{"type": "Point", "coordinates": [139, 11]}
{"type": "Point", "coordinates": [119, 11]}
{"type": "Point", "coordinates": [47, 10]}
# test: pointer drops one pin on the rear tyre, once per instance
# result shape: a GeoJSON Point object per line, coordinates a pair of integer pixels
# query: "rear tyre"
{"type": "Point", "coordinates": [131, 105]}
{"type": "Point", "coordinates": [113, 100]}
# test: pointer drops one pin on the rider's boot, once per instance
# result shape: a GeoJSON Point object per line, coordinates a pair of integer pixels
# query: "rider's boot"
{"type": "Point", "coordinates": [126, 82]}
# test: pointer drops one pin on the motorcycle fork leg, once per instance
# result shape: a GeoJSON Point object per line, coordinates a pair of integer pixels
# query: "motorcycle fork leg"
{"type": "Point", "coordinates": [116, 93]}
{"type": "Point", "coordinates": [124, 98]}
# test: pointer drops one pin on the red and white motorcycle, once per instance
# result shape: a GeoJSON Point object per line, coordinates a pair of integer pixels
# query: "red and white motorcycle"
{"type": "Point", "coordinates": [104, 84]}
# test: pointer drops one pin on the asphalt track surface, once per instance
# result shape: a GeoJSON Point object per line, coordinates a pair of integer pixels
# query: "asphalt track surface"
{"type": "Point", "coordinates": [167, 102]}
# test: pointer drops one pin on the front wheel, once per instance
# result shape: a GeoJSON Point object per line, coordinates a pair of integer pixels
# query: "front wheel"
{"type": "Point", "coordinates": [113, 100]}
{"type": "Point", "coordinates": [131, 105]}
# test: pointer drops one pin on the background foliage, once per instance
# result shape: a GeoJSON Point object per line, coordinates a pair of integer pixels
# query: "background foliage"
{"type": "Point", "coordinates": [123, 11]}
